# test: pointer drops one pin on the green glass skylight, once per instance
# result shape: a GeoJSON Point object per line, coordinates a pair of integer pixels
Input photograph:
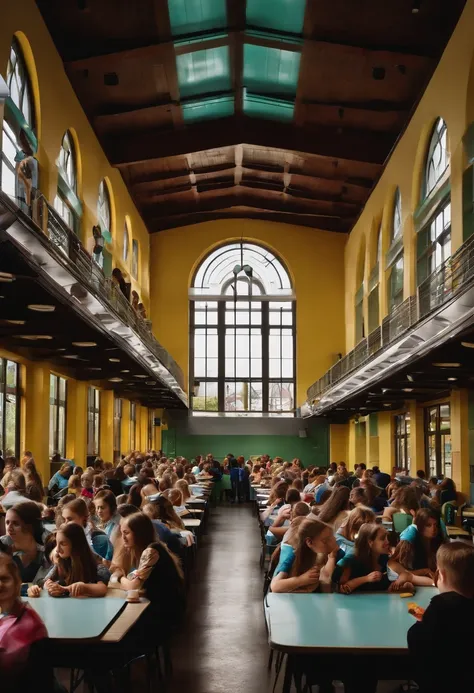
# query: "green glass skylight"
{"type": "Point", "coordinates": [209, 108]}
{"type": "Point", "coordinates": [194, 16]}
{"type": "Point", "coordinates": [270, 70]}
{"type": "Point", "coordinates": [203, 72]}
{"type": "Point", "coordinates": [267, 107]}
{"type": "Point", "coordinates": [285, 16]}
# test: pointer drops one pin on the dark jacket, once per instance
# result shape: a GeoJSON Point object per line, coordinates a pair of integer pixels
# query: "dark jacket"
{"type": "Point", "coordinates": [443, 631]}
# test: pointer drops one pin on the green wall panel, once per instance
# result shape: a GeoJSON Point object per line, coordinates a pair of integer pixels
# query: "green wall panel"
{"type": "Point", "coordinates": [285, 16]}
{"type": "Point", "coordinates": [311, 450]}
{"type": "Point", "coordinates": [193, 16]}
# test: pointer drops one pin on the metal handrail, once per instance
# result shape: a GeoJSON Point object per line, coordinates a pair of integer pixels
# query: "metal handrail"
{"type": "Point", "coordinates": [63, 238]}
{"type": "Point", "coordinates": [444, 283]}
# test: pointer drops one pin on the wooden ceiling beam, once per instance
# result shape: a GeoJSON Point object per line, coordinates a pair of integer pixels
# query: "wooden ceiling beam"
{"type": "Point", "coordinates": [353, 145]}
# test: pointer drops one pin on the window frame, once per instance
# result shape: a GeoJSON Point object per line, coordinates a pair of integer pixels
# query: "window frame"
{"type": "Point", "coordinates": [395, 255]}
{"type": "Point", "coordinates": [67, 183]}
{"type": "Point", "coordinates": [93, 421]}
{"type": "Point", "coordinates": [56, 445]}
{"type": "Point", "coordinates": [435, 139]}
{"type": "Point", "coordinates": [14, 391]}
{"type": "Point", "coordinates": [126, 242]}
{"type": "Point", "coordinates": [263, 328]}
{"type": "Point", "coordinates": [438, 434]}
{"type": "Point", "coordinates": [118, 414]}
{"type": "Point", "coordinates": [133, 426]}
{"type": "Point", "coordinates": [402, 440]}
{"type": "Point", "coordinates": [135, 259]}
{"type": "Point", "coordinates": [151, 429]}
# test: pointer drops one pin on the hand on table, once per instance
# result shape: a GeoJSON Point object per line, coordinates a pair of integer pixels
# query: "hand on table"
{"type": "Point", "coordinates": [376, 576]}
{"type": "Point", "coordinates": [54, 589]}
{"type": "Point", "coordinates": [310, 577]}
{"type": "Point", "coordinates": [34, 591]}
{"type": "Point", "coordinates": [345, 589]}
{"type": "Point", "coordinates": [77, 589]}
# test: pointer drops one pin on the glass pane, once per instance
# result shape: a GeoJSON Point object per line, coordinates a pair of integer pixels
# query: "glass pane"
{"type": "Point", "coordinates": [206, 398]}
{"type": "Point", "coordinates": [281, 397]}
{"type": "Point", "coordinates": [432, 418]}
{"type": "Point", "coordinates": [431, 451]}
{"type": "Point", "coordinates": [62, 431]}
{"type": "Point", "coordinates": [12, 371]}
{"type": "Point", "coordinates": [256, 396]}
{"type": "Point", "coordinates": [62, 389]}
{"type": "Point", "coordinates": [10, 424]}
{"type": "Point", "coordinates": [52, 429]}
{"type": "Point", "coordinates": [53, 382]}
{"type": "Point", "coordinates": [445, 417]}
{"type": "Point", "coordinates": [446, 456]}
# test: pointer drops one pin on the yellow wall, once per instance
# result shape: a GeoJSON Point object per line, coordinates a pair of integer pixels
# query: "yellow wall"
{"type": "Point", "coordinates": [58, 110]}
{"type": "Point", "coordinates": [313, 258]}
{"type": "Point", "coordinates": [446, 96]}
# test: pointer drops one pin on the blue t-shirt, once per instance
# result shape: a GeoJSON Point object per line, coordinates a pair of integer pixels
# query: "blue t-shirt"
{"type": "Point", "coordinates": [319, 492]}
{"type": "Point", "coordinates": [359, 569]}
{"type": "Point", "coordinates": [287, 558]}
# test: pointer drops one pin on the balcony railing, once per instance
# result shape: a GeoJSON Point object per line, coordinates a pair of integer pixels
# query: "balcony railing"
{"type": "Point", "coordinates": [104, 288]}
{"type": "Point", "coordinates": [449, 279]}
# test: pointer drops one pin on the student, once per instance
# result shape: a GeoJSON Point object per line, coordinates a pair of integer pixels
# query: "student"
{"type": "Point", "coordinates": [74, 485]}
{"type": "Point", "coordinates": [77, 512]}
{"type": "Point", "coordinates": [130, 477]}
{"type": "Point", "coordinates": [23, 665]}
{"type": "Point", "coordinates": [175, 497]}
{"type": "Point", "coordinates": [59, 481]}
{"type": "Point", "coordinates": [415, 554]}
{"type": "Point", "coordinates": [87, 481]}
{"type": "Point", "coordinates": [404, 501]}
{"type": "Point", "coordinates": [366, 568]}
{"type": "Point", "coordinates": [313, 561]}
{"type": "Point", "coordinates": [77, 573]}
{"type": "Point", "coordinates": [34, 482]}
{"type": "Point", "coordinates": [166, 513]}
{"type": "Point", "coordinates": [275, 500]}
{"type": "Point", "coordinates": [433, 486]}
{"type": "Point", "coordinates": [143, 562]}
{"type": "Point", "coordinates": [15, 491]}
{"type": "Point", "coordinates": [348, 532]}
{"type": "Point", "coordinates": [335, 510]}
{"type": "Point", "coordinates": [445, 492]}
{"type": "Point", "coordinates": [105, 505]}
{"type": "Point", "coordinates": [24, 537]}
{"type": "Point", "coordinates": [358, 497]}
{"type": "Point", "coordinates": [135, 496]}
{"type": "Point", "coordinates": [183, 486]}
{"type": "Point", "coordinates": [454, 606]}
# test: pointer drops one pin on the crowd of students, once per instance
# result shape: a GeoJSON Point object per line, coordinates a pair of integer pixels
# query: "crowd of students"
{"type": "Point", "coordinates": [331, 531]}
{"type": "Point", "coordinates": [90, 530]}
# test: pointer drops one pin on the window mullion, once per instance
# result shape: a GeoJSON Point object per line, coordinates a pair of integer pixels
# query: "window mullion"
{"type": "Point", "coordinates": [265, 355]}
{"type": "Point", "coordinates": [221, 355]}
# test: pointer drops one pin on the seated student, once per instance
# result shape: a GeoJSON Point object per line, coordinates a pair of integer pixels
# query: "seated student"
{"type": "Point", "coordinates": [313, 561]}
{"type": "Point", "coordinates": [74, 485]}
{"type": "Point", "coordinates": [166, 513]}
{"type": "Point", "coordinates": [105, 505]}
{"type": "Point", "coordinates": [76, 511]}
{"type": "Point", "coordinates": [60, 480]}
{"type": "Point", "coordinates": [365, 569]}
{"type": "Point", "coordinates": [348, 532]}
{"type": "Point", "coordinates": [142, 562]}
{"type": "Point", "coordinates": [130, 477]}
{"type": "Point", "coordinates": [405, 501]}
{"type": "Point", "coordinates": [454, 606]}
{"type": "Point", "coordinates": [175, 497]}
{"type": "Point", "coordinates": [168, 537]}
{"type": "Point", "coordinates": [50, 559]}
{"type": "Point", "coordinates": [183, 486]}
{"type": "Point", "coordinates": [98, 482]}
{"type": "Point", "coordinates": [445, 492]}
{"type": "Point", "coordinates": [375, 494]}
{"type": "Point", "coordinates": [275, 500]}
{"type": "Point", "coordinates": [23, 666]}
{"type": "Point", "coordinates": [77, 573]}
{"type": "Point", "coordinates": [358, 497]}
{"type": "Point", "coordinates": [87, 481]}
{"type": "Point", "coordinates": [34, 482]}
{"type": "Point", "coordinates": [283, 531]}
{"type": "Point", "coordinates": [415, 555]}
{"type": "Point", "coordinates": [135, 496]}
{"type": "Point", "coordinates": [335, 510]}
{"type": "Point", "coordinates": [24, 538]}
{"type": "Point", "coordinates": [433, 486]}
{"type": "Point", "coordinates": [15, 490]}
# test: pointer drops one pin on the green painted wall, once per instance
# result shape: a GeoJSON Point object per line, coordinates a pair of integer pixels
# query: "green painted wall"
{"type": "Point", "coordinates": [311, 450]}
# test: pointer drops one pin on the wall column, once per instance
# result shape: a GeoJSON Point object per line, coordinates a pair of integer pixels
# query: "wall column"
{"type": "Point", "coordinates": [142, 424]}
{"type": "Point", "coordinates": [76, 424]}
{"type": "Point", "coordinates": [386, 445]}
{"type": "Point", "coordinates": [158, 430]}
{"type": "Point", "coordinates": [460, 439]}
{"type": "Point", "coordinates": [37, 416]}
{"type": "Point", "coordinates": [106, 441]}
{"type": "Point", "coordinates": [417, 438]}
{"type": "Point", "coordinates": [125, 433]}
{"type": "Point", "coordinates": [338, 442]}
{"type": "Point", "coordinates": [352, 454]}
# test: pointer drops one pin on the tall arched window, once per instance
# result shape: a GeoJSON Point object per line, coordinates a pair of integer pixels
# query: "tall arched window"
{"type": "Point", "coordinates": [126, 240]}
{"type": "Point", "coordinates": [242, 332]}
{"type": "Point", "coordinates": [373, 299]}
{"type": "Point", "coordinates": [434, 235]}
{"type": "Point", "coordinates": [18, 139]}
{"type": "Point", "coordinates": [394, 260]}
{"type": "Point", "coordinates": [360, 332]}
{"type": "Point", "coordinates": [135, 259]}
{"type": "Point", "coordinates": [104, 221]}
{"type": "Point", "coordinates": [66, 201]}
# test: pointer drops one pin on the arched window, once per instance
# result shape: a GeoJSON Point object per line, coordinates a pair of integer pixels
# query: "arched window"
{"type": "Point", "coordinates": [395, 260]}
{"type": "Point", "coordinates": [66, 201]}
{"type": "Point", "coordinates": [126, 240]}
{"type": "Point", "coordinates": [437, 160]}
{"type": "Point", "coordinates": [373, 299]}
{"type": "Point", "coordinates": [359, 298]}
{"type": "Point", "coordinates": [18, 139]}
{"type": "Point", "coordinates": [104, 223]}
{"type": "Point", "coordinates": [135, 259]}
{"type": "Point", "coordinates": [242, 332]}
{"type": "Point", "coordinates": [434, 235]}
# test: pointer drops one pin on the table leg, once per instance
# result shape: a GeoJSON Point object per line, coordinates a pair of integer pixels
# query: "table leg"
{"type": "Point", "coordinates": [288, 675]}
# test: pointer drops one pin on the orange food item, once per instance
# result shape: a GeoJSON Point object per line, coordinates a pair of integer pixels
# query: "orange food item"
{"type": "Point", "coordinates": [415, 610]}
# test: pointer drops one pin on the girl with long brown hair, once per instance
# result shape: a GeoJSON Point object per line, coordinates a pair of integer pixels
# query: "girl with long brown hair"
{"type": "Point", "coordinates": [335, 510]}
{"type": "Point", "coordinates": [142, 562]}
{"type": "Point", "coordinates": [77, 571]}
{"type": "Point", "coordinates": [348, 532]}
{"type": "Point", "coordinates": [312, 563]}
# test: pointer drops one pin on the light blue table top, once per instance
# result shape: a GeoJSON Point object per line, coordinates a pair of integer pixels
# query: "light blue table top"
{"type": "Point", "coordinates": [71, 619]}
{"type": "Point", "coordinates": [338, 622]}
